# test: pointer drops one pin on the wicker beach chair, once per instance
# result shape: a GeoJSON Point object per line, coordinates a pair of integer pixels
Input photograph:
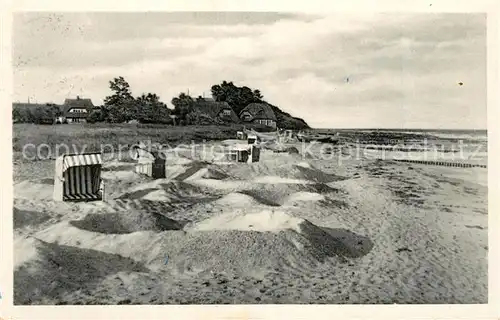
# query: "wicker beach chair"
{"type": "Point", "coordinates": [151, 163]}
{"type": "Point", "coordinates": [78, 177]}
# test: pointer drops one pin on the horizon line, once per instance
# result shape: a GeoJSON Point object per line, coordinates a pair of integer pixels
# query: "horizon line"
{"type": "Point", "coordinates": [383, 128]}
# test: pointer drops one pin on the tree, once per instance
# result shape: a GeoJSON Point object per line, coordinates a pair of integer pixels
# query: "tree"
{"type": "Point", "coordinates": [257, 95]}
{"type": "Point", "coordinates": [30, 116]}
{"type": "Point", "coordinates": [120, 106]}
{"type": "Point", "coordinates": [151, 110]}
{"type": "Point", "coordinates": [217, 93]}
{"type": "Point", "coordinates": [42, 115]}
{"type": "Point", "coordinates": [121, 90]}
{"type": "Point", "coordinates": [226, 91]}
{"type": "Point", "coordinates": [240, 97]}
{"type": "Point", "coordinates": [183, 105]}
{"type": "Point", "coordinates": [54, 110]}
{"type": "Point", "coordinates": [237, 97]}
{"type": "Point", "coordinates": [17, 115]}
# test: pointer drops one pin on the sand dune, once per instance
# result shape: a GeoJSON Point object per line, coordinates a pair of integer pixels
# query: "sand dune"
{"type": "Point", "coordinates": [46, 271]}
{"type": "Point", "coordinates": [24, 218]}
{"type": "Point", "coordinates": [267, 220]}
{"type": "Point", "coordinates": [285, 167]}
{"type": "Point", "coordinates": [118, 223]}
{"type": "Point", "coordinates": [304, 196]}
{"type": "Point", "coordinates": [237, 199]}
{"type": "Point", "coordinates": [266, 241]}
{"type": "Point", "coordinates": [30, 190]}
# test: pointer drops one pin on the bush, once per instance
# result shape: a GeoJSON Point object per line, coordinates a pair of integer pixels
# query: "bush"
{"type": "Point", "coordinates": [94, 116]}
{"type": "Point", "coordinates": [199, 118]}
{"type": "Point", "coordinates": [37, 115]}
{"type": "Point", "coordinates": [292, 123]}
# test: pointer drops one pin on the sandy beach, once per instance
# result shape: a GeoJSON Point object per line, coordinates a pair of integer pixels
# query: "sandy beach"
{"type": "Point", "coordinates": [329, 157]}
{"type": "Point", "coordinates": [288, 229]}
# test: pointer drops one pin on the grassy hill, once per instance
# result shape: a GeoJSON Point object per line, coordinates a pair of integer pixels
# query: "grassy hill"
{"type": "Point", "coordinates": [287, 121]}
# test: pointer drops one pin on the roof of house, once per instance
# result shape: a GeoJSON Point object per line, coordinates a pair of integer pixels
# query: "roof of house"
{"type": "Point", "coordinates": [260, 111]}
{"type": "Point", "coordinates": [213, 109]}
{"type": "Point", "coordinates": [208, 99]}
{"type": "Point", "coordinates": [77, 103]}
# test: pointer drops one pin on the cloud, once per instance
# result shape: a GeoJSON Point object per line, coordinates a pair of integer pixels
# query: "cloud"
{"type": "Point", "coordinates": [402, 69]}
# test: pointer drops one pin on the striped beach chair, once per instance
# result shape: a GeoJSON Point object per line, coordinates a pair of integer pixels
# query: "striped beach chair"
{"type": "Point", "coordinates": [78, 177]}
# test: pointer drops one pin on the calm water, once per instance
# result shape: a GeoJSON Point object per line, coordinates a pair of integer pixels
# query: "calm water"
{"type": "Point", "coordinates": [471, 145]}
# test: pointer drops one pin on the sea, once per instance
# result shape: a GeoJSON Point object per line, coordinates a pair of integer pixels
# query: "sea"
{"type": "Point", "coordinates": [455, 145]}
{"type": "Point", "coordinates": [458, 134]}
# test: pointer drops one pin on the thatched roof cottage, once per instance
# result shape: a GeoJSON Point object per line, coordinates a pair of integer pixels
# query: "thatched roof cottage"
{"type": "Point", "coordinates": [217, 110]}
{"type": "Point", "coordinates": [77, 110]}
{"type": "Point", "coordinates": [260, 113]}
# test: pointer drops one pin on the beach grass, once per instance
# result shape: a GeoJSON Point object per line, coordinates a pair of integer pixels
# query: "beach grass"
{"type": "Point", "coordinates": [91, 137]}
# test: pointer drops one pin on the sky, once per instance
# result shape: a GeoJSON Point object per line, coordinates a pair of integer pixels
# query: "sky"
{"type": "Point", "coordinates": [334, 70]}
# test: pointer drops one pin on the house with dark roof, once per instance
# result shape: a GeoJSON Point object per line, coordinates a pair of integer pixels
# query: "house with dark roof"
{"type": "Point", "coordinates": [260, 113]}
{"type": "Point", "coordinates": [217, 110]}
{"type": "Point", "coordinates": [77, 110]}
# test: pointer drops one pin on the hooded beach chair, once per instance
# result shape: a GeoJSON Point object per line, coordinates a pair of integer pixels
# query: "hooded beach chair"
{"type": "Point", "coordinates": [247, 153]}
{"type": "Point", "coordinates": [241, 135]}
{"type": "Point", "coordinates": [78, 177]}
{"type": "Point", "coordinates": [254, 148]}
{"type": "Point", "coordinates": [239, 153]}
{"type": "Point", "coordinates": [252, 139]}
{"type": "Point", "coordinates": [151, 163]}
{"type": "Point", "coordinates": [254, 154]}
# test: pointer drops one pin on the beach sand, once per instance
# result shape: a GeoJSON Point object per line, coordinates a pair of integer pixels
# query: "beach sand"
{"type": "Point", "coordinates": [288, 229]}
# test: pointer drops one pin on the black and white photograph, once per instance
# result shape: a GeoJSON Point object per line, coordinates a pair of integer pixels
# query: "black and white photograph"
{"type": "Point", "coordinates": [249, 158]}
